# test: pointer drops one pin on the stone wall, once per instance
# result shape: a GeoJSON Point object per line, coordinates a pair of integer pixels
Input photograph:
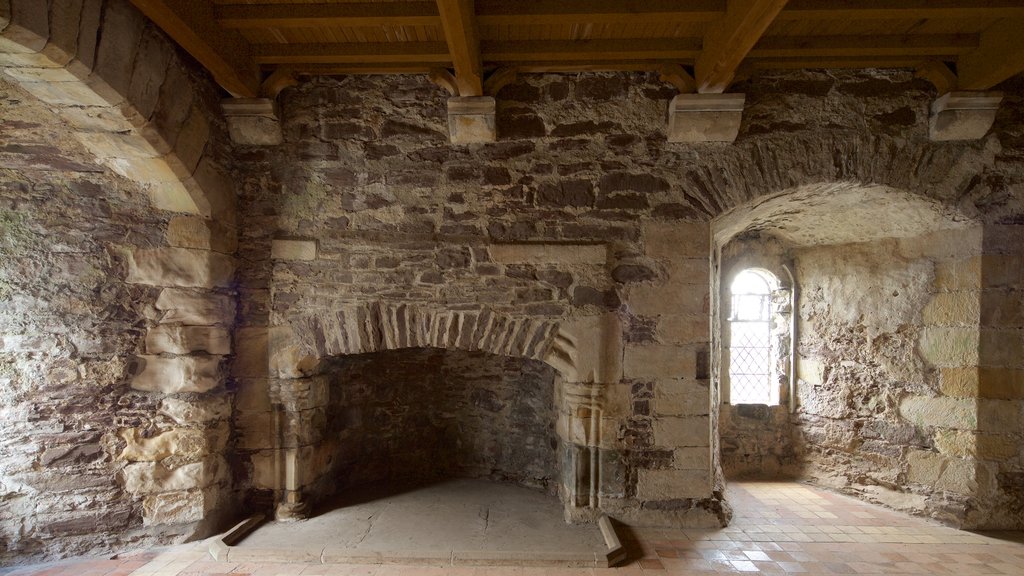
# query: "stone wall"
{"type": "Point", "coordinates": [118, 229]}
{"type": "Point", "coordinates": [426, 414]}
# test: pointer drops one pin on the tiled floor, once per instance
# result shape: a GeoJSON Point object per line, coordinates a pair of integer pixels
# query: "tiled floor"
{"type": "Point", "coordinates": [778, 529]}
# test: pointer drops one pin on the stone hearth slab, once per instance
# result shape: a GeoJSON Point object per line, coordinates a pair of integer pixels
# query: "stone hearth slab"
{"type": "Point", "coordinates": [455, 522]}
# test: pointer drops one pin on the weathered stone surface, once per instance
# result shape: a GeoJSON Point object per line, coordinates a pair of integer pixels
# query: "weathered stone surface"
{"type": "Point", "coordinates": [195, 308]}
{"type": "Point", "coordinates": [186, 443]}
{"type": "Point", "coordinates": [195, 412]}
{"type": "Point", "coordinates": [963, 115]}
{"type": "Point", "coordinates": [154, 477]}
{"type": "Point", "coordinates": [253, 121]}
{"type": "Point", "coordinates": [170, 508]}
{"type": "Point", "coordinates": [681, 431]}
{"type": "Point", "coordinates": [187, 339]}
{"type": "Point", "coordinates": [180, 267]}
{"type": "Point", "coordinates": [548, 253]}
{"type": "Point", "coordinates": [672, 484]}
{"type": "Point", "coordinates": [940, 411]}
{"type": "Point", "coordinates": [472, 120]}
{"type": "Point", "coordinates": [660, 361]}
{"type": "Point", "coordinates": [201, 234]}
{"type": "Point", "coordinates": [293, 250]}
{"type": "Point", "coordinates": [705, 117]}
{"type": "Point", "coordinates": [178, 374]}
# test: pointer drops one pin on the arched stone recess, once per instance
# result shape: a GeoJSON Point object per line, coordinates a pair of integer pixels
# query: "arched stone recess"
{"type": "Point", "coordinates": [586, 351]}
{"type": "Point", "coordinates": [894, 356]}
{"type": "Point", "coordinates": [137, 105]}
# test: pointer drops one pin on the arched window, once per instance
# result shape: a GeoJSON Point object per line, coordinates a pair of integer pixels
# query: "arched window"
{"type": "Point", "coordinates": [753, 377]}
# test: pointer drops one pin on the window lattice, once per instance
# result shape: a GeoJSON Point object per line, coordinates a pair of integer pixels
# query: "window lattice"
{"type": "Point", "coordinates": [750, 345]}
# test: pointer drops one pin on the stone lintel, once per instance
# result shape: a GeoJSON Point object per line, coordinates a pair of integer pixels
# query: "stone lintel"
{"type": "Point", "coordinates": [963, 115]}
{"type": "Point", "coordinates": [253, 121]}
{"type": "Point", "coordinates": [471, 119]}
{"type": "Point", "coordinates": [705, 117]}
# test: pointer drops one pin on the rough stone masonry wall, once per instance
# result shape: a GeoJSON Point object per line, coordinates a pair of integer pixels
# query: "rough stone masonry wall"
{"type": "Point", "coordinates": [391, 212]}
{"type": "Point", "coordinates": [117, 234]}
{"type": "Point", "coordinates": [427, 414]}
{"type": "Point", "coordinates": [885, 333]}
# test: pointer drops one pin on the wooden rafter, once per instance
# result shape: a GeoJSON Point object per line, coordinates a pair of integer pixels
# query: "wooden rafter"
{"type": "Point", "coordinates": [353, 53]}
{"type": "Point", "coordinates": [730, 39]}
{"type": "Point", "coordinates": [560, 12]}
{"type": "Point", "coordinates": [939, 74]}
{"type": "Point", "coordinates": [675, 75]}
{"type": "Point", "coordinates": [999, 56]}
{"type": "Point", "coordinates": [224, 53]}
{"type": "Point", "coordinates": [460, 30]}
{"type": "Point", "coordinates": [328, 14]}
{"type": "Point", "coordinates": [900, 9]}
{"type": "Point", "coordinates": [580, 51]}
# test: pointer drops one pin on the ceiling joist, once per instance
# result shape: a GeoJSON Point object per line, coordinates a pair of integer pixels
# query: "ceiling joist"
{"type": "Point", "coordinates": [560, 12]}
{"type": "Point", "coordinates": [730, 39]}
{"type": "Point", "coordinates": [224, 53]}
{"type": "Point", "coordinates": [900, 9]}
{"type": "Point", "coordinates": [1000, 55]}
{"type": "Point", "coordinates": [460, 29]}
{"type": "Point", "coordinates": [898, 45]}
{"type": "Point", "coordinates": [328, 14]}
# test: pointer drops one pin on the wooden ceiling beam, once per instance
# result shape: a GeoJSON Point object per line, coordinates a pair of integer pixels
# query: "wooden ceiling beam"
{"type": "Point", "coordinates": [900, 9]}
{"type": "Point", "coordinates": [730, 39]}
{"type": "Point", "coordinates": [999, 56]}
{"type": "Point", "coordinates": [841, 62]}
{"type": "Point", "coordinates": [672, 49]}
{"type": "Point", "coordinates": [460, 30]}
{"type": "Point", "coordinates": [226, 54]}
{"type": "Point", "coordinates": [897, 45]}
{"type": "Point", "coordinates": [320, 15]}
{"type": "Point", "coordinates": [556, 12]}
{"type": "Point", "coordinates": [353, 53]}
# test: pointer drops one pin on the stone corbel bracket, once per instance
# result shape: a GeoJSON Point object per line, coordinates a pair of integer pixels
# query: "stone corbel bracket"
{"type": "Point", "coordinates": [253, 121]}
{"type": "Point", "coordinates": [471, 119]}
{"type": "Point", "coordinates": [963, 115]}
{"type": "Point", "coordinates": [705, 117]}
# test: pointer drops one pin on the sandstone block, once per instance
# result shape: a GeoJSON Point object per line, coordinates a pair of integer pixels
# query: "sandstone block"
{"type": "Point", "coordinates": [253, 121]}
{"type": "Point", "coordinates": [961, 274]}
{"type": "Point", "coordinates": [957, 413]}
{"type": "Point", "coordinates": [189, 444]}
{"type": "Point", "coordinates": [178, 374]}
{"type": "Point", "coordinates": [95, 119]}
{"type": "Point", "coordinates": [959, 382]}
{"type": "Point", "coordinates": [999, 416]}
{"type": "Point", "coordinates": [692, 459]}
{"type": "Point", "coordinates": [589, 349]}
{"type": "Point", "coordinates": [963, 115]}
{"type": "Point", "coordinates": [293, 249]}
{"type": "Point", "coordinates": [953, 309]}
{"type": "Point", "coordinates": [201, 234]}
{"type": "Point", "coordinates": [154, 477]}
{"type": "Point", "coordinates": [171, 508]}
{"type": "Point", "coordinates": [252, 395]}
{"type": "Point", "coordinates": [251, 353]}
{"type": "Point", "coordinates": [688, 431]}
{"type": "Point", "coordinates": [1001, 383]}
{"type": "Point", "coordinates": [683, 329]}
{"type": "Point", "coordinates": [669, 300]}
{"type": "Point", "coordinates": [548, 253]}
{"type": "Point", "coordinates": [65, 19]}
{"type": "Point", "coordinates": [63, 94]}
{"type": "Point", "coordinates": [264, 470]}
{"type": "Point", "coordinates": [949, 347]}
{"type": "Point", "coordinates": [660, 362]}
{"type": "Point", "coordinates": [941, 472]}
{"type": "Point", "coordinates": [195, 309]}
{"type": "Point", "coordinates": [180, 267]}
{"type": "Point", "coordinates": [681, 398]}
{"type": "Point", "coordinates": [187, 339]}
{"type": "Point", "coordinates": [149, 71]}
{"type": "Point", "coordinates": [254, 430]}
{"type": "Point", "coordinates": [655, 485]}
{"type": "Point", "coordinates": [191, 412]}
{"type": "Point", "coordinates": [705, 117]}
{"type": "Point", "coordinates": [191, 143]}
{"type": "Point", "coordinates": [810, 370]}
{"type": "Point", "coordinates": [472, 120]}
{"type": "Point", "coordinates": [1001, 347]}
{"type": "Point", "coordinates": [28, 24]}
{"type": "Point", "coordinates": [115, 58]}
{"type": "Point", "coordinates": [677, 240]}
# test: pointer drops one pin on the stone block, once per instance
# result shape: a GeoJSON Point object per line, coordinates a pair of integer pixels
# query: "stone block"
{"type": "Point", "coordinates": [115, 57]}
{"type": "Point", "coordinates": [169, 508]}
{"type": "Point", "coordinates": [677, 240]}
{"type": "Point", "coordinates": [1001, 348]}
{"type": "Point", "coordinates": [957, 413]}
{"type": "Point", "coordinates": [293, 249]}
{"type": "Point", "coordinates": [472, 120]}
{"type": "Point", "coordinates": [963, 115]}
{"type": "Point", "coordinates": [254, 430]}
{"type": "Point", "coordinates": [252, 395]}
{"type": "Point", "coordinates": [172, 339]}
{"type": "Point", "coordinates": [186, 443]}
{"type": "Point", "coordinates": [594, 346]}
{"type": "Point", "coordinates": [653, 485]}
{"type": "Point", "coordinates": [949, 346]}
{"type": "Point", "coordinates": [95, 119]}
{"type": "Point", "coordinates": [941, 472]}
{"type": "Point", "coordinates": [201, 234]}
{"type": "Point", "coordinates": [669, 300]}
{"type": "Point", "coordinates": [705, 117]}
{"type": "Point", "coordinates": [154, 477]}
{"type": "Point", "coordinates": [148, 72]}
{"type": "Point", "coordinates": [961, 274]}
{"type": "Point", "coordinates": [810, 370]}
{"type": "Point", "coordinates": [953, 309]}
{"type": "Point", "coordinates": [196, 411]}
{"type": "Point", "coordinates": [1001, 383]}
{"type": "Point", "coordinates": [692, 459]}
{"type": "Point", "coordinates": [185, 307]}
{"type": "Point", "coordinates": [191, 143]}
{"type": "Point", "coordinates": [683, 329]}
{"type": "Point", "coordinates": [959, 382]}
{"type": "Point", "coordinates": [253, 121]}
{"type": "Point", "coordinates": [685, 431]}
{"type": "Point", "coordinates": [660, 362]}
{"type": "Point", "coordinates": [251, 353]}
{"type": "Point", "coordinates": [681, 398]}
{"type": "Point", "coordinates": [264, 470]}
{"type": "Point", "coordinates": [213, 192]}
{"type": "Point", "coordinates": [178, 374]}
{"type": "Point", "coordinates": [180, 267]}
{"type": "Point", "coordinates": [548, 253]}
{"type": "Point", "coordinates": [63, 94]}
{"type": "Point", "coordinates": [28, 24]}
{"type": "Point", "coordinates": [65, 19]}
{"type": "Point", "coordinates": [1002, 309]}
{"type": "Point", "coordinates": [999, 416]}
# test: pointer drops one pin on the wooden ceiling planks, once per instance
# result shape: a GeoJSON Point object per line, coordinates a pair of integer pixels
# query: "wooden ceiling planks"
{"type": "Point", "coordinates": [717, 37]}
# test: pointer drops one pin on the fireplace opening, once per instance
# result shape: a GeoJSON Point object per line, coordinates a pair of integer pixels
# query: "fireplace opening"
{"type": "Point", "coordinates": [420, 415]}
